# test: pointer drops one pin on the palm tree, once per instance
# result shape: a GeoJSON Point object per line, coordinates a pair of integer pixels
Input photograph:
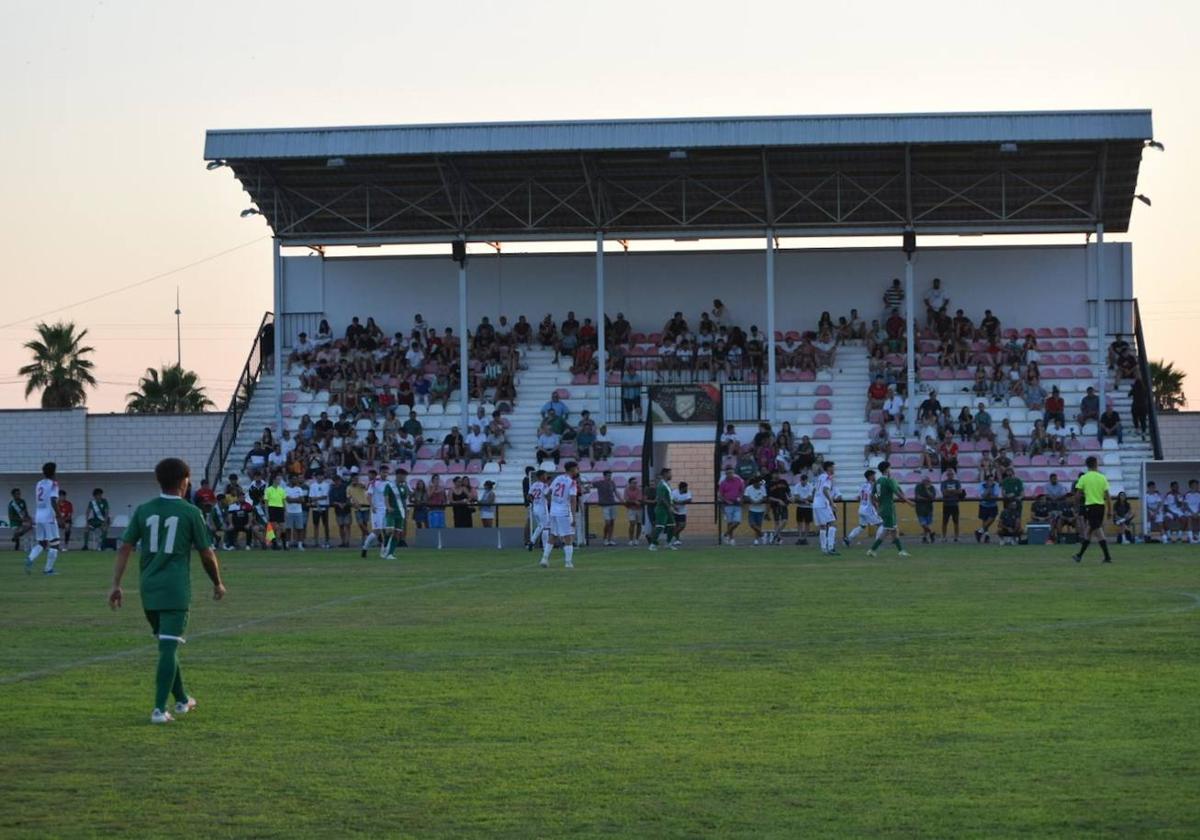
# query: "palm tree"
{"type": "Point", "coordinates": [59, 368]}
{"type": "Point", "coordinates": [172, 390]}
{"type": "Point", "coordinates": [1167, 384]}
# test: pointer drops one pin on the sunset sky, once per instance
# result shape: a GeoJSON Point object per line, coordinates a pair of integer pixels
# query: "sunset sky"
{"type": "Point", "coordinates": [106, 105]}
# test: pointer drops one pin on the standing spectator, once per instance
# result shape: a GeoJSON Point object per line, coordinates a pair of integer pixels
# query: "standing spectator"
{"type": "Point", "coordinates": [556, 405]}
{"type": "Point", "coordinates": [756, 499]}
{"type": "Point", "coordinates": [1055, 407]}
{"type": "Point", "coordinates": [936, 302]}
{"type": "Point", "coordinates": [730, 491]}
{"type": "Point", "coordinates": [952, 494]}
{"type": "Point", "coordinates": [983, 425]}
{"type": "Point", "coordinates": [606, 497]}
{"type": "Point", "coordinates": [633, 510]}
{"type": "Point", "coordinates": [98, 520]}
{"type": "Point", "coordinates": [631, 396]}
{"type": "Point", "coordinates": [360, 504]}
{"type": "Point", "coordinates": [461, 498]}
{"type": "Point", "coordinates": [893, 297]}
{"type": "Point", "coordinates": [295, 494]}
{"type": "Point", "coordinates": [925, 494]}
{"type": "Point", "coordinates": [339, 501]}
{"type": "Point", "coordinates": [487, 505]}
{"type": "Point", "coordinates": [319, 488]}
{"type": "Point", "coordinates": [930, 409]}
{"type": "Point", "coordinates": [1139, 406]}
{"type": "Point", "coordinates": [803, 492]}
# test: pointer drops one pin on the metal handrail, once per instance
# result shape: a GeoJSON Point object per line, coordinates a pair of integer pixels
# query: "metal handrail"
{"type": "Point", "coordinates": [1144, 368]}
{"type": "Point", "coordinates": [237, 404]}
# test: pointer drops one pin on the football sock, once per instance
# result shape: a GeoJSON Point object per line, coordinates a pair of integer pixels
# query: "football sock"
{"type": "Point", "coordinates": [1083, 546]}
{"type": "Point", "coordinates": [370, 541]}
{"type": "Point", "coordinates": [168, 670]}
{"type": "Point", "coordinates": [832, 537]}
{"type": "Point", "coordinates": [391, 545]}
{"type": "Point", "coordinates": [853, 535]}
{"type": "Point", "coordinates": [51, 557]}
{"type": "Point", "coordinates": [546, 548]}
{"type": "Point", "coordinates": [1104, 548]}
{"type": "Point", "coordinates": [177, 686]}
{"type": "Point", "coordinates": [821, 539]}
{"type": "Point", "coordinates": [538, 531]}
{"type": "Point", "coordinates": [896, 542]}
{"type": "Point", "coordinates": [569, 550]}
{"type": "Point", "coordinates": [35, 552]}
{"type": "Point", "coordinates": [878, 542]}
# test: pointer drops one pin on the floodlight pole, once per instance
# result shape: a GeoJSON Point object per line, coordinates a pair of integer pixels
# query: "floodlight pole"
{"type": "Point", "coordinates": [1101, 321]}
{"type": "Point", "coordinates": [464, 389]}
{"type": "Point", "coordinates": [277, 262]}
{"type": "Point", "coordinates": [910, 377]}
{"type": "Point", "coordinates": [601, 353]}
{"type": "Point", "coordinates": [771, 326]}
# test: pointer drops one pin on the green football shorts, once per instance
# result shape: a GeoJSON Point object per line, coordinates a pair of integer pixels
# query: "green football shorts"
{"type": "Point", "coordinates": [888, 515]}
{"type": "Point", "coordinates": [168, 624]}
{"type": "Point", "coordinates": [395, 520]}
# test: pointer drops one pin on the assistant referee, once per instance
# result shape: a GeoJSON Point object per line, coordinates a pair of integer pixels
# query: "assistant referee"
{"type": "Point", "coordinates": [1097, 506]}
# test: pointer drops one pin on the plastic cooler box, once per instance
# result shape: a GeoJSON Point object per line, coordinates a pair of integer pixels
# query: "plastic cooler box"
{"type": "Point", "coordinates": [1037, 534]}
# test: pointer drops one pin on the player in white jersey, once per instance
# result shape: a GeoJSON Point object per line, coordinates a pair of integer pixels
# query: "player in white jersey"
{"type": "Point", "coordinates": [823, 510]}
{"type": "Point", "coordinates": [45, 521]}
{"type": "Point", "coordinates": [564, 490]}
{"type": "Point", "coordinates": [1175, 514]}
{"type": "Point", "coordinates": [1153, 502]}
{"type": "Point", "coordinates": [377, 483]}
{"type": "Point", "coordinates": [539, 511]}
{"type": "Point", "coordinates": [868, 516]}
{"type": "Point", "coordinates": [1191, 501]}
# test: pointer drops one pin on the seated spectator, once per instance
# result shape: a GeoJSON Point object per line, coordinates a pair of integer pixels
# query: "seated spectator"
{"type": "Point", "coordinates": [602, 446]}
{"type": "Point", "coordinates": [1110, 425]}
{"type": "Point", "coordinates": [1006, 438]}
{"type": "Point", "coordinates": [948, 451]}
{"type": "Point", "coordinates": [556, 405]}
{"type": "Point", "coordinates": [930, 454]}
{"type": "Point", "coordinates": [896, 332]}
{"type": "Point", "coordinates": [1040, 441]}
{"type": "Point", "coordinates": [304, 352]}
{"type": "Point", "coordinates": [877, 394]}
{"type": "Point", "coordinates": [983, 425]}
{"type": "Point", "coordinates": [1035, 396]}
{"type": "Point", "coordinates": [893, 408]}
{"type": "Point", "coordinates": [1127, 368]}
{"type": "Point", "coordinates": [547, 332]}
{"type": "Point", "coordinates": [548, 444]}
{"type": "Point", "coordinates": [989, 326]}
{"type": "Point", "coordinates": [522, 331]}
{"type": "Point", "coordinates": [930, 410]}
{"type": "Point", "coordinates": [858, 327]}
{"type": "Point", "coordinates": [404, 448]}
{"type": "Point", "coordinates": [585, 437]}
{"type": "Point", "coordinates": [1089, 407]}
{"type": "Point", "coordinates": [1063, 436]}
{"type": "Point", "coordinates": [755, 349]}
{"type": "Point", "coordinates": [1055, 407]}
{"type": "Point", "coordinates": [1120, 347]}
{"type": "Point", "coordinates": [961, 326]}
{"type": "Point", "coordinates": [619, 331]}
{"type": "Point", "coordinates": [805, 456]}
{"type": "Point", "coordinates": [824, 345]}
{"type": "Point", "coordinates": [879, 444]}
{"type": "Point", "coordinates": [1009, 529]}
{"type": "Point", "coordinates": [476, 445]}
{"type": "Point", "coordinates": [676, 326]}
{"type": "Point", "coordinates": [453, 446]}
{"type": "Point", "coordinates": [497, 440]}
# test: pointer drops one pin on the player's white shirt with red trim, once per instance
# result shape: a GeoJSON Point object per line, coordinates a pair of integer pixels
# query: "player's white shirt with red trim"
{"type": "Point", "coordinates": [563, 491]}
{"type": "Point", "coordinates": [866, 499]}
{"type": "Point", "coordinates": [376, 492]}
{"type": "Point", "coordinates": [1154, 506]}
{"type": "Point", "coordinates": [45, 490]}
{"type": "Point", "coordinates": [538, 498]}
{"type": "Point", "coordinates": [1193, 502]}
{"type": "Point", "coordinates": [820, 500]}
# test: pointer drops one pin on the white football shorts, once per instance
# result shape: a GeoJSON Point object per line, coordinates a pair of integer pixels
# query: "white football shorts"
{"type": "Point", "coordinates": [823, 515]}
{"type": "Point", "coordinates": [562, 526]}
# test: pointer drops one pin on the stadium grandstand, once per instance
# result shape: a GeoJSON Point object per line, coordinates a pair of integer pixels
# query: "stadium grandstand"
{"type": "Point", "coordinates": [977, 356]}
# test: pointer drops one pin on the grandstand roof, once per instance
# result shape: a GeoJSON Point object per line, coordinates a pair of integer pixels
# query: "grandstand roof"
{"type": "Point", "coordinates": [1045, 172]}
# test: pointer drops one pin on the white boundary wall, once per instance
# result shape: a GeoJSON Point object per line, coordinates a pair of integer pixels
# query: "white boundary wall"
{"type": "Point", "coordinates": [1023, 285]}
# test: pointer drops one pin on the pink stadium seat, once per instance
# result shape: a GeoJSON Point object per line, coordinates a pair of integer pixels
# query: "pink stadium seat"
{"type": "Point", "coordinates": [972, 490]}
{"type": "Point", "coordinates": [287, 411]}
{"type": "Point", "coordinates": [1021, 461]}
{"type": "Point", "coordinates": [1040, 461]}
{"type": "Point", "coordinates": [1078, 345]}
{"type": "Point", "coordinates": [928, 373]}
{"type": "Point", "coordinates": [823, 405]}
{"type": "Point", "coordinates": [290, 397]}
{"type": "Point", "coordinates": [636, 451]}
{"type": "Point", "coordinates": [1049, 373]}
{"type": "Point", "coordinates": [1009, 333]}
{"type": "Point", "coordinates": [1040, 475]}
{"type": "Point", "coordinates": [1043, 332]}
{"type": "Point", "coordinates": [822, 419]}
{"type": "Point", "coordinates": [927, 346]}
{"type": "Point", "coordinates": [822, 434]}
{"type": "Point", "coordinates": [1028, 331]}
{"type": "Point", "coordinates": [946, 373]}
{"type": "Point", "coordinates": [474, 468]}
{"type": "Point", "coordinates": [637, 338]}
{"type": "Point", "coordinates": [1083, 373]}
{"type": "Point", "coordinates": [806, 376]}
{"type": "Point", "coordinates": [912, 446]}
{"type": "Point", "coordinates": [967, 459]}
{"type": "Point", "coordinates": [964, 374]}
{"type": "Point", "coordinates": [1075, 460]}
{"type": "Point", "coordinates": [1090, 444]}
{"type": "Point", "coordinates": [912, 460]}
{"type": "Point", "coordinates": [779, 335]}
{"type": "Point", "coordinates": [579, 379]}
{"type": "Point", "coordinates": [824, 391]}
{"type": "Point", "coordinates": [1061, 332]}
{"type": "Point", "coordinates": [654, 338]}
{"type": "Point", "coordinates": [1080, 359]}
{"type": "Point", "coordinates": [793, 335]}
{"type": "Point", "coordinates": [439, 468]}
{"type": "Point", "coordinates": [788, 376]}
{"type": "Point", "coordinates": [1078, 332]}
{"type": "Point", "coordinates": [621, 451]}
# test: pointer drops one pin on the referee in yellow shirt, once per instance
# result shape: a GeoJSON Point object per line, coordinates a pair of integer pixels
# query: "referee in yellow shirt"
{"type": "Point", "coordinates": [1097, 506]}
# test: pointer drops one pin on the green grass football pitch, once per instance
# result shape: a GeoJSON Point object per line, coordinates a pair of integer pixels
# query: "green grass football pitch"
{"type": "Point", "coordinates": [756, 692]}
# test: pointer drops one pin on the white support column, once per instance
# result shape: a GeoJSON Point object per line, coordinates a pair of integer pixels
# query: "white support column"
{"type": "Point", "coordinates": [463, 348]}
{"type": "Point", "coordinates": [910, 346]}
{"type": "Point", "coordinates": [771, 326]}
{"type": "Point", "coordinates": [601, 354]}
{"type": "Point", "coordinates": [1101, 320]}
{"type": "Point", "coordinates": [277, 270]}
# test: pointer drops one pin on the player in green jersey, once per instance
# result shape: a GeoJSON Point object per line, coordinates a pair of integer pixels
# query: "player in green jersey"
{"type": "Point", "coordinates": [664, 515]}
{"type": "Point", "coordinates": [887, 491]}
{"type": "Point", "coordinates": [18, 518]}
{"type": "Point", "coordinates": [167, 529]}
{"type": "Point", "coordinates": [395, 496]}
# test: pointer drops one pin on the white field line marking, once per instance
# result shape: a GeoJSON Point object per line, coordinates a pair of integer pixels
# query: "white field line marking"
{"type": "Point", "coordinates": [233, 628]}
